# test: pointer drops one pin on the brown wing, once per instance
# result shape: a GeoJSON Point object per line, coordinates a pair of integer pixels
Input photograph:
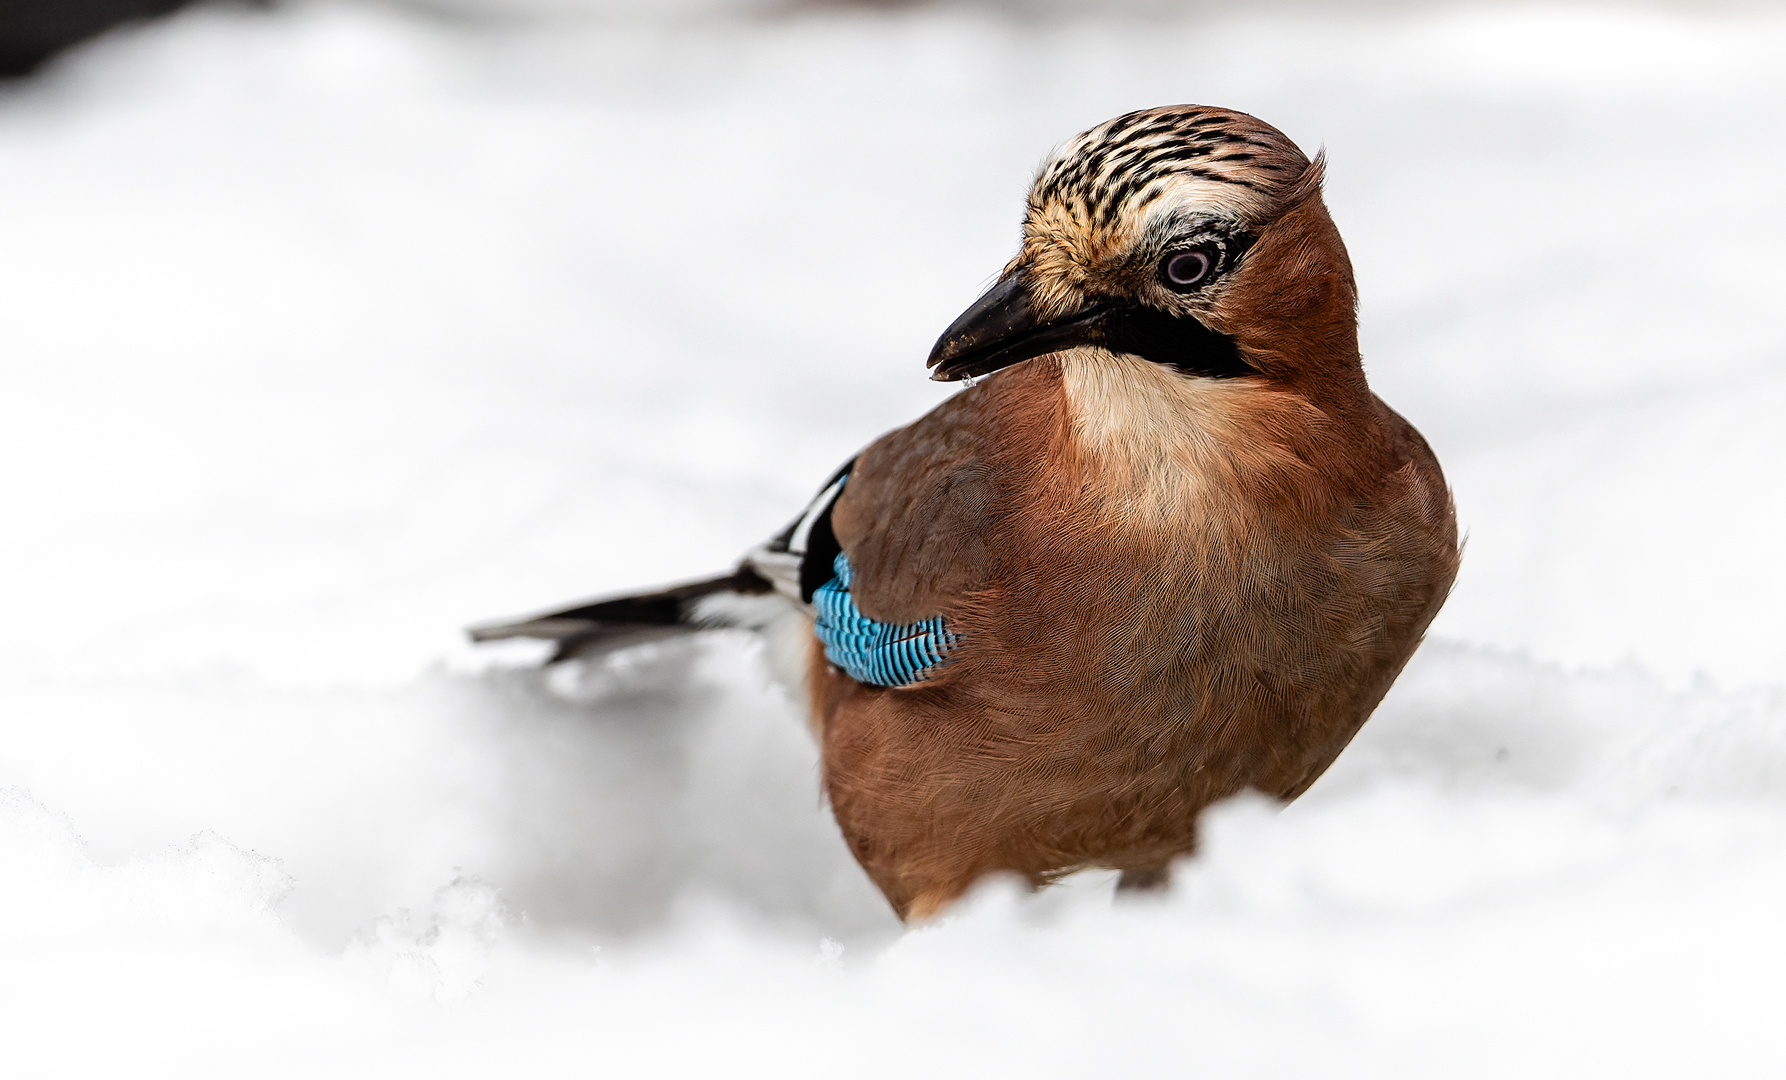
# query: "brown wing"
{"type": "Point", "coordinates": [917, 511]}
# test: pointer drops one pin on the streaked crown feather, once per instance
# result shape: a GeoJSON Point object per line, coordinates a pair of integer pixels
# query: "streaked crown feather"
{"type": "Point", "coordinates": [1123, 165]}
{"type": "Point", "coordinates": [1095, 198]}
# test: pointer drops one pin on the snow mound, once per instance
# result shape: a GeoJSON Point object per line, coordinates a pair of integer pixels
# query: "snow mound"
{"type": "Point", "coordinates": [332, 329]}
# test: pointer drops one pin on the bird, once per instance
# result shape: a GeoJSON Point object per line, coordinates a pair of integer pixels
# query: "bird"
{"type": "Point", "coordinates": [1163, 547]}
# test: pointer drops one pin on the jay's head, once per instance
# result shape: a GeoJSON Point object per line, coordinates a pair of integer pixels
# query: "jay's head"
{"type": "Point", "coordinates": [1190, 236]}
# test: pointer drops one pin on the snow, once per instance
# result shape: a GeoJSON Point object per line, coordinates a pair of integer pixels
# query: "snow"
{"type": "Point", "coordinates": [331, 329]}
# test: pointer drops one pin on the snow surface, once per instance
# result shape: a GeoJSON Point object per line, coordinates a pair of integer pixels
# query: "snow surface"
{"type": "Point", "coordinates": [331, 329]}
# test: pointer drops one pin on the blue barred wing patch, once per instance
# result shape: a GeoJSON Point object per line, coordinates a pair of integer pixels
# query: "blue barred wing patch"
{"type": "Point", "coordinates": [883, 654]}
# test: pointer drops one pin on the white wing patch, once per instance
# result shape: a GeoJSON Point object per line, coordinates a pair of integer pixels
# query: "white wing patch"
{"type": "Point", "coordinates": [779, 559]}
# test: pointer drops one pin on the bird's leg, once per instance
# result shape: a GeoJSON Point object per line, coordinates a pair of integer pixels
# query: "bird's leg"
{"type": "Point", "coordinates": [1146, 879]}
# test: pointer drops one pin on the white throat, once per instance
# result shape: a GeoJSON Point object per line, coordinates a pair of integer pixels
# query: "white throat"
{"type": "Point", "coordinates": [1160, 448]}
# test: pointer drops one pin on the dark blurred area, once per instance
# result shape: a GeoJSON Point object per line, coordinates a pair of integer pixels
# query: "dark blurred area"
{"type": "Point", "coordinates": [32, 31]}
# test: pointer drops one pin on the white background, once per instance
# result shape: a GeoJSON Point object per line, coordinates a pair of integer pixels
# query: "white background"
{"type": "Point", "coordinates": [330, 329]}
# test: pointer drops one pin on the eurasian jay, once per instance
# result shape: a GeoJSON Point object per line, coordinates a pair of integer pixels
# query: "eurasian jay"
{"type": "Point", "coordinates": [1173, 549]}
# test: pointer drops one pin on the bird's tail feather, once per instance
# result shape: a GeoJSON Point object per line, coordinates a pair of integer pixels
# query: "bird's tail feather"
{"type": "Point", "coordinates": [603, 625]}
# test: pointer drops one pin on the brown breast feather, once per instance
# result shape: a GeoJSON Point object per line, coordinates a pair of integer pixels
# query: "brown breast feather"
{"type": "Point", "coordinates": [1170, 590]}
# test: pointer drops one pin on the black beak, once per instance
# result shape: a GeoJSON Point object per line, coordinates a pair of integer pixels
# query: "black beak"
{"type": "Point", "coordinates": [999, 330]}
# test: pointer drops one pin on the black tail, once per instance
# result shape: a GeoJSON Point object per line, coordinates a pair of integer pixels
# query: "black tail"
{"type": "Point", "coordinates": [626, 620]}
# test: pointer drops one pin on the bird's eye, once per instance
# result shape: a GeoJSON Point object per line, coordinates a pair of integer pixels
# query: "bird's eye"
{"type": "Point", "coordinates": [1185, 269]}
